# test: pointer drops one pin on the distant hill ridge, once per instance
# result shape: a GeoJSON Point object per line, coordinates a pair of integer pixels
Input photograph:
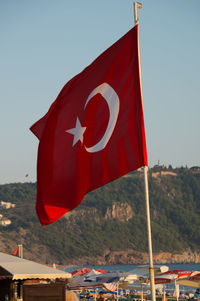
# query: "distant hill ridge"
{"type": "Point", "coordinates": [110, 224]}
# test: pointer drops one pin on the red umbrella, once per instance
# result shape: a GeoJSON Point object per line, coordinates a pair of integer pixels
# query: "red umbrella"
{"type": "Point", "coordinates": [102, 271]}
{"type": "Point", "coordinates": [162, 279]}
{"type": "Point", "coordinates": [195, 276]}
{"type": "Point", "coordinates": [80, 271]}
{"type": "Point", "coordinates": [179, 273]}
{"type": "Point", "coordinates": [172, 276]}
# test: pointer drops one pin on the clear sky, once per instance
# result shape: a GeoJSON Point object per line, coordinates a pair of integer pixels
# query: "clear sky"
{"type": "Point", "coordinates": [44, 43]}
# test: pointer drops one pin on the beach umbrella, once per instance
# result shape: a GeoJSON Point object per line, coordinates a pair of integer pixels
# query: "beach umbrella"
{"type": "Point", "coordinates": [167, 278]}
{"type": "Point", "coordinates": [190, 283]}
{"type": "Point", "coordinates": [193, 280]}
{"type": "Point", "coordinates": [82, 282]}
{"type": "Point", "coordinates": [84, 271]}
{"type": "Point", "coordinates": [162, 279]}
{"type": "Point", "coordinates": [179, 273]}
{"type": "Point", "coordinates": [172, 276]}
{"type": "Point", "coordinates": [195, 276]}
{"type": "Point", "coordinates": [85, 279]}
{"type": "Point", "coordinates": [102, 271]}
{"type": "Point", "coordinates": [80, 271]}
{"type": "Point", "coordinates": [92, 273]}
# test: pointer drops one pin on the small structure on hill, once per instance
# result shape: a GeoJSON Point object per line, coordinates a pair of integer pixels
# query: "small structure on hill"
{"type": "Point", "coordinates": [7, 205]}
{"type": "Point", "coordinates": [5, 221]}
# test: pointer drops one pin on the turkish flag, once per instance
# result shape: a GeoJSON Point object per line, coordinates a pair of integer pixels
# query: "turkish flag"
{"type": "Point", "coordinates": [94, 131]}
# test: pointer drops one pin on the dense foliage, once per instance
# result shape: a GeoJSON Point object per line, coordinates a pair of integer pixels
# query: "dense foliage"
{"type": "Point", "coordinates": [175, 216]}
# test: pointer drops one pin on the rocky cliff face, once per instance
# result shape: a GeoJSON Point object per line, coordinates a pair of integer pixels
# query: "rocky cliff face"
{"type": "Point", "coordinates": [135, 257]}
{"type": "Point", "coordinates": [185, 257]}
{"type": "Point", "coordinates": [121, 211]}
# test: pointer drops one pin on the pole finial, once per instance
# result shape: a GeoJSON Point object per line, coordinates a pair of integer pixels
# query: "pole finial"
{"type": "Point", "coordinates": [136, 6]}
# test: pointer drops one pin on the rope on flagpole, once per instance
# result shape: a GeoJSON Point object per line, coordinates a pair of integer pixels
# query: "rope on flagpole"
{"type": "Point", "coordinates": [138, 5]}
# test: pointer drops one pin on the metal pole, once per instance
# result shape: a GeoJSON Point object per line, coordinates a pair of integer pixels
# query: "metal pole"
{"type": "Point", "coordinates": [151, 269]}
{"type": "Point", "coordinates": [176, 290]}
{"type": "Point", "coordinates": [164, 295]}
{"type": "Point", "coordinates": [141, 292]}
{"type": "Point", "coordinates": [20, 251]}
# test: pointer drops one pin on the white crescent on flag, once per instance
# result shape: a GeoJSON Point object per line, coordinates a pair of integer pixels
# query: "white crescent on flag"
{"type": "Point", "coordinates": [112, 99]}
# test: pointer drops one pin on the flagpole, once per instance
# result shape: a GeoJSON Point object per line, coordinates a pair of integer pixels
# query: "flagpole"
{"type": "Point", "coordinates": [20, 251]}
{"type": "Point", "coordinates": [151, 269]}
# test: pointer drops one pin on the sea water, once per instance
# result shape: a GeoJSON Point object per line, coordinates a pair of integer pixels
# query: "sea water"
{"type": "Point", "coordinates": [129, 267]}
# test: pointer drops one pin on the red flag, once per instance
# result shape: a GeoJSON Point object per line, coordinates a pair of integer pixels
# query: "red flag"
{"type": "Point", "coordinates": [93, 133]}
{"type": "Point", "coordinates": [16, 252]}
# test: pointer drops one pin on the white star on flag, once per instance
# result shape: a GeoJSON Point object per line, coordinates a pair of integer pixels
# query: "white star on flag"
{"type": "Point", "coordinates": [78, 132]}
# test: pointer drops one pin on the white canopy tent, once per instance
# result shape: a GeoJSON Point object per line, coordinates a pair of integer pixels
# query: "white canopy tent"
{"type": "Point", "coordinates": [17, 268]}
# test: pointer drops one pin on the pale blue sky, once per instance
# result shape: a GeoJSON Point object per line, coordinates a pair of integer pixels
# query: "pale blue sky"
{"type": "Point", "coordinates": [44, 43]}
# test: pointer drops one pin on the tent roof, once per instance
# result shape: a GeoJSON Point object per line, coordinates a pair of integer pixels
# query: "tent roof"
{"type": "Point", "coordinates": [17, 268]}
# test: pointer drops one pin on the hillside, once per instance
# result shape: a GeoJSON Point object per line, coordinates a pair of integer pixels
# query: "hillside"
{"type": "Point", "coordinates": [110, 224]}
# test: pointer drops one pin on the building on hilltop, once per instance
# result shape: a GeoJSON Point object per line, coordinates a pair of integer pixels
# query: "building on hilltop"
{"type": "Point", "coordinates": [5, 222]}
{"type": "Point", "coordinates": [6, 205]}
{"type": "Point", "coordinates": [195, 169]}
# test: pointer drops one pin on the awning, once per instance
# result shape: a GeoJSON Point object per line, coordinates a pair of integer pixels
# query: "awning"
{"type": "Point", "coordinates": [16, 268]}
